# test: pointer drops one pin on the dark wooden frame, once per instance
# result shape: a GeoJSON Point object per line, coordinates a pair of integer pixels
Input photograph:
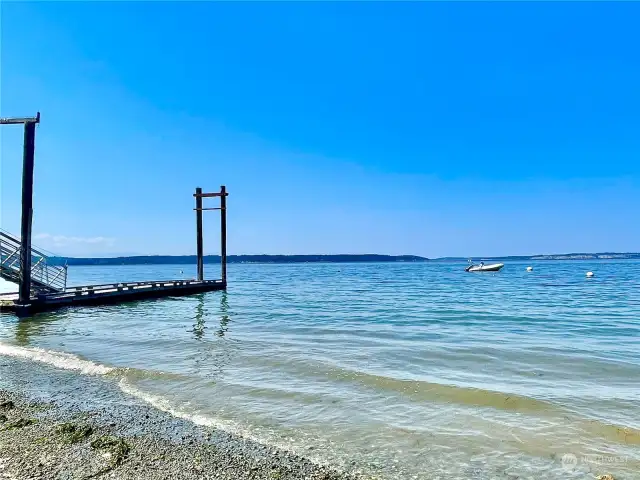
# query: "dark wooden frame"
{"type": "Point", "coordinates": [222, 194]}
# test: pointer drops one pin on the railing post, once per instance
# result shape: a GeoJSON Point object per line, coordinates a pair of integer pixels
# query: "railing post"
{"type": "Point", "coordinates": [223, 233]}
{"type": "Point", "coordinates": [199, 234]}
{"type": "Point", "coordinates": [24, 295]}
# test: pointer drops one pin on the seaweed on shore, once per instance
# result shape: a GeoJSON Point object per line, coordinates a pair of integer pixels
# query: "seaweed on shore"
{"type": "Point", "coordinates": [118, 448]}
{"type": "Point", "coordinates": [19, 423]}
{"type": "Point", "coordinates": [74, 433]}
{"type": "Point", "coordinates": [7, 405]}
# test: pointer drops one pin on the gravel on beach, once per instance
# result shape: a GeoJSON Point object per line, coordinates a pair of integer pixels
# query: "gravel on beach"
{"type": "Point", "coordinates": [41, 440]}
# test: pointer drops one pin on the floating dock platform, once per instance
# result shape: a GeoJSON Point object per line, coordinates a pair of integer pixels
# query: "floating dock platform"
{"type": "Point", "coordinates": [43, 284]}
{"type": "Point", "coordinates": [89, 295]}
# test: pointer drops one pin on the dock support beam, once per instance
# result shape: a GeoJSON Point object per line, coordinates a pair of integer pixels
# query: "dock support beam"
{"type": "Point", "coordinates": [28, 156]}
{"type": "Point", "coordinates": [223, 233]}
{"type": "Point", "coordinates": [198, 196]}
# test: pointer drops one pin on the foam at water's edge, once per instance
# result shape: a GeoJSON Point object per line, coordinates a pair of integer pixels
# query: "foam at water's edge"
{"type": "Point", "coordinates": [68, 361]}
{"type": "Point", "coordinates": [61, 360]}
{"type": "Point", "coordinates": [164, 405]}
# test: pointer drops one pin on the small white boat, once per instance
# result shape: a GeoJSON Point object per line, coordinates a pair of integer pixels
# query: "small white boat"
{"type": "Point", "coordinates": [494, 267]}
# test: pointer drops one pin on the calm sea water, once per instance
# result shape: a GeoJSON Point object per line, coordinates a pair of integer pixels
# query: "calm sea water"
{"type": "Point", "coordinates": [394, 370]}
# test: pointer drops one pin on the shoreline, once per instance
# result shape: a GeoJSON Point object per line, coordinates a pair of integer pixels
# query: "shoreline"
{"type": "Point", "coordinates": [71, 435]}
{"type": "Point", "coordinates": [71, 420]}
{"type": "Point", "coordinates": [40, 441]}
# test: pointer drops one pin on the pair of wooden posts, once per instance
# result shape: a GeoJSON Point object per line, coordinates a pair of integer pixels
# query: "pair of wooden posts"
{"type": "Point", "coordinates": [223, 230]}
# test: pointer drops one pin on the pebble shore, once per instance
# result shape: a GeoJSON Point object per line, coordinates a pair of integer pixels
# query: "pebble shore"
{"type": "Point", "coordinates": [40, 440]}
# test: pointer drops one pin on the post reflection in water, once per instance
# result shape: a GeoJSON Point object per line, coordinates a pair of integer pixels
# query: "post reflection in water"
{"type": "Point", "coordinates": [214, 353]}
{"type": "Point", "coordinates": [35, 326]}
{"type": "Point", "coordinates": [200, 326]}
{"type": "Point", "coordinates": [224, 315]}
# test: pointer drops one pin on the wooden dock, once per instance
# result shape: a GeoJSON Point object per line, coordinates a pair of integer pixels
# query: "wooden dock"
{"type": "Point", "coordinates": [43, 287]}
{"type": "Point", "coordinates": [88, 295]}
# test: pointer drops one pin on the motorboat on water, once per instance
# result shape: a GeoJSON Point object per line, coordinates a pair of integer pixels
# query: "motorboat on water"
{"type": "Point", "coordinates": [494, 267]}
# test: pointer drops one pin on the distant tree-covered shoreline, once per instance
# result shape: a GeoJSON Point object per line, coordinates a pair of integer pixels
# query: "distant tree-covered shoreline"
{"type": "Point", "coordinates": [191, 259]}
{"type": "Point", "coordinates": [346, 258]}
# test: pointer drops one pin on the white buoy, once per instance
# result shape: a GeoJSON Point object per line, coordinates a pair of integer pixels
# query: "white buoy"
{"type": "Point", "coordinates": [589, 274]}
{"type": "Point", "coordinates": [529, 269]}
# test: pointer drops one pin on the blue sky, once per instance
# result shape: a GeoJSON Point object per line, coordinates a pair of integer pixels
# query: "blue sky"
{"type": "Point", "coordinates": [403, 128]}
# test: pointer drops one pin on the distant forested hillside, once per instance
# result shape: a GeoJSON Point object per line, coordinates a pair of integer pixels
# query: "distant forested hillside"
{"type": "Point", "coordinates": [371, 258]}
{"type": "Point", "coordinates": [191, 259]}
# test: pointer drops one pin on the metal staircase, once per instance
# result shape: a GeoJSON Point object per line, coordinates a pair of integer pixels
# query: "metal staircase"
{"type": "Point", "coordinates": [45, 278]}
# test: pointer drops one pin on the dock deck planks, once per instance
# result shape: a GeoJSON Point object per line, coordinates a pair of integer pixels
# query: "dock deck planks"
{"type": "Point", "coordinates": [108, 293]}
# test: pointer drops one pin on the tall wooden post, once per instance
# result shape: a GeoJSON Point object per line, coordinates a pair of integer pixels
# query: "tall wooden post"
{"type": "Point", "coordinates": [199, 234]}
{"type": "Point", "coordinates": [223, 233]}
{"type": "Point", "coordinates": [24, 295]}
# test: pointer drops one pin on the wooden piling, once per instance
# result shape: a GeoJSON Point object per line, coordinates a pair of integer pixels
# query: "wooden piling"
{"type": "Point", "coordinates": [223, 233]}
{"type": "Point", "coordinates": [200, 254]}
{"type": "Point", "coordinates": [28, 156]}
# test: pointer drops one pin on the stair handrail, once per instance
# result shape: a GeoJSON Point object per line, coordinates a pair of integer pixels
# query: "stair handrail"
{"type": "Point", "coordinates": [42, 274]}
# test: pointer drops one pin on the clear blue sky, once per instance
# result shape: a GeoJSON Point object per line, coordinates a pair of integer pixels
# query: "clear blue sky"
{"type": "Point", "coordinates": [403, 128]}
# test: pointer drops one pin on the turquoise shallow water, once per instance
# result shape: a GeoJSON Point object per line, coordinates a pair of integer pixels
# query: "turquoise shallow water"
{"type": "Point", "coordinates": [395, 370]}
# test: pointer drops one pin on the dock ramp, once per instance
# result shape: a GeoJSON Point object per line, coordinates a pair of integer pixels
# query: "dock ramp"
{"type": "Point", "coordinates": [45, 277]}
